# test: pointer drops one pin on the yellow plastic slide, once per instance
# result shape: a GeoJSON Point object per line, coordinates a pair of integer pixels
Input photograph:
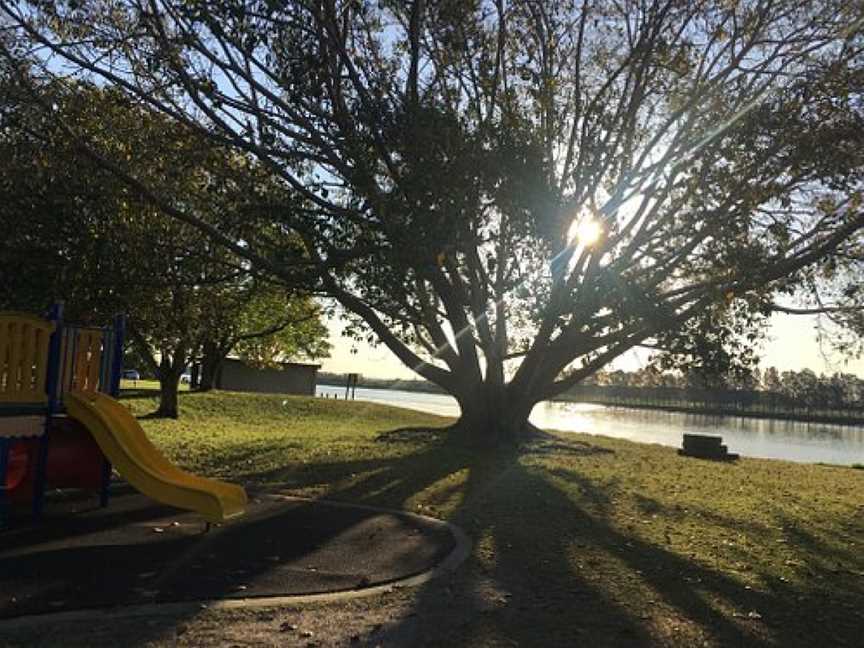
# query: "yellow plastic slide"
{"type": "Point", "coordinates": [129, 450]}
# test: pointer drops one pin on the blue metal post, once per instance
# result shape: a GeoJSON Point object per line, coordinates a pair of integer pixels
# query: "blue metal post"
{"type": "Point", "coordinates": [73, 336]}
{"type": "Point", "coordinates": [105, 486]}
{"type": "Point", "coordinates": [117, 357]}
{"type": "Point", "coordinates": [52, 383]}
{"type": "Point", "coordinates": [106, 360]}
{"type": "Point", "coordinates": [116, 371]}
{"type": "Point", "coordinates": [4, 463]}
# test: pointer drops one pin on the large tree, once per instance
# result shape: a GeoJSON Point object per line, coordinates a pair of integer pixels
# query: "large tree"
{"type": "Point", "coordinates": [509, 193]}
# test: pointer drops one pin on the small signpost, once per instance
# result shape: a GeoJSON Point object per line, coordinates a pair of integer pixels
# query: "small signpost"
{"type": "Point", "coordinates": [351, 385]}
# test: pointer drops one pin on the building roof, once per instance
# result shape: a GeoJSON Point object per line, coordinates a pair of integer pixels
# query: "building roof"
{"type": "Point", "coordinates": [284, 365]}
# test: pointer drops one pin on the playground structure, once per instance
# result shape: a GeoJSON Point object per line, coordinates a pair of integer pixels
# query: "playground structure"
{"type": "Point", "coordinates": [62, 427]}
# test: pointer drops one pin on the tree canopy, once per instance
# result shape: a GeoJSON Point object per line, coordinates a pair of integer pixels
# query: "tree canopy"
{"type": "Point", "coordinates": [75, 231]}
{"type": "Point", "coordinates": [263, 324]}
{"type": "Point", "coordinates": [508, 194]}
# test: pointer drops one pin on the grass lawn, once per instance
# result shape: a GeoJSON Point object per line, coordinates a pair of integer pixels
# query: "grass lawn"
{"type": "Point", "coordinates": [578, 540]}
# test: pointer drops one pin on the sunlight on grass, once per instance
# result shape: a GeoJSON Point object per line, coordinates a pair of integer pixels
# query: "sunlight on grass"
{"type": "Point", "coordinates": [682, 547]}
{"type": "Point", "coordinates": [270, 439]}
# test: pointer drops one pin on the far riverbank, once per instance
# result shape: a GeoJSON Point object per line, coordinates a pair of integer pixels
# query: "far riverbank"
{"type": "Point", "coordinates": [823, 416]}
{"type": "Point", "coordinates": [751, 437]}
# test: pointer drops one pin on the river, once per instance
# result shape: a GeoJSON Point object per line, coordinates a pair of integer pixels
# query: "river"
{"type": "Point", "coordinates": [750, 437]}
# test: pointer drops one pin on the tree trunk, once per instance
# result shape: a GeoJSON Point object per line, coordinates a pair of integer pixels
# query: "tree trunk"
{"type": "Point", "coordinates": [211, 362]}
{"type": "Point", "coordinates": [169, 384]}
{"type": "Point", "coordinates": [491, 416]}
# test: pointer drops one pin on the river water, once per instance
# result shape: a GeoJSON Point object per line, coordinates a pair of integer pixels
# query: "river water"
{"type": "Point", "coordinates": [770, 439]}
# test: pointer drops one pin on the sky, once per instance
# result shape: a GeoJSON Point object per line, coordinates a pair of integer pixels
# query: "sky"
{"type": "Point", "coordinates": [792, 345]}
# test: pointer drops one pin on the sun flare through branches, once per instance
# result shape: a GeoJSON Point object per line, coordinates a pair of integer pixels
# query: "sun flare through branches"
{"type": "Point", "coordinates": [585, 231]}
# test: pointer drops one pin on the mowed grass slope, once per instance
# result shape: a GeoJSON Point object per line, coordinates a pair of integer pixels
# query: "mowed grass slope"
{"type": "Point", "coordinates": [288, 441]}
{"type": "Point", "coordinates": [575, 537]}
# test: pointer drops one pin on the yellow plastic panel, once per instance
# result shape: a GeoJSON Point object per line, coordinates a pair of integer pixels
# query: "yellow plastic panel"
{"type": "Point", "coordinates": [133, 455]}
{"type": "Point", "coordinates": [24, 341]}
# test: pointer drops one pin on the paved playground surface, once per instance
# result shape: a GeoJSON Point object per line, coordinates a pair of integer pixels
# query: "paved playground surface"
{"type": "Point", "coordinates": [136, 551]}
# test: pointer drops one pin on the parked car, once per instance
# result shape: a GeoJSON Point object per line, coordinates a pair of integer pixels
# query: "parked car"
{"type": "Point", "coordinates": [131, 374]}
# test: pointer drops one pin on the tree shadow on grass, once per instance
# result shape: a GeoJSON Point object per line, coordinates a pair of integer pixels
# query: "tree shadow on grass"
{"type": "Point", "coordinates": [552, 565]}
{"type": "Point", "coordinates": [139, 393]}
{"type": "Point", "coordinates": [546, 572]}
{"type": "Point", "coordinates": [527, 581]}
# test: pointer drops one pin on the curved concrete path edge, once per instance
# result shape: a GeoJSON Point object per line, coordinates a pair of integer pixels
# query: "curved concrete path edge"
{"type": "Point", "coordinates": [456, 557]}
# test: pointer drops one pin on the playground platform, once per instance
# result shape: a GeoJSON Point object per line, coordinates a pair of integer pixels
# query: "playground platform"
{"type": "Point", "coordinates": [139, 552]}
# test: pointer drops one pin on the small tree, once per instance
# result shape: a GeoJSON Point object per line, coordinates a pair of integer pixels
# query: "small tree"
{"type": "Point", "coordinates": [266, 326]}
{"type": "Point", "coordinates": [771, 380]}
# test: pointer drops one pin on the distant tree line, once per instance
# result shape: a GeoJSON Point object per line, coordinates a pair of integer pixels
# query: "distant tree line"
{"type": "Point", "coordinates": [764, 390]}
{"type": "Point", "coordinates": [768, 390]}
